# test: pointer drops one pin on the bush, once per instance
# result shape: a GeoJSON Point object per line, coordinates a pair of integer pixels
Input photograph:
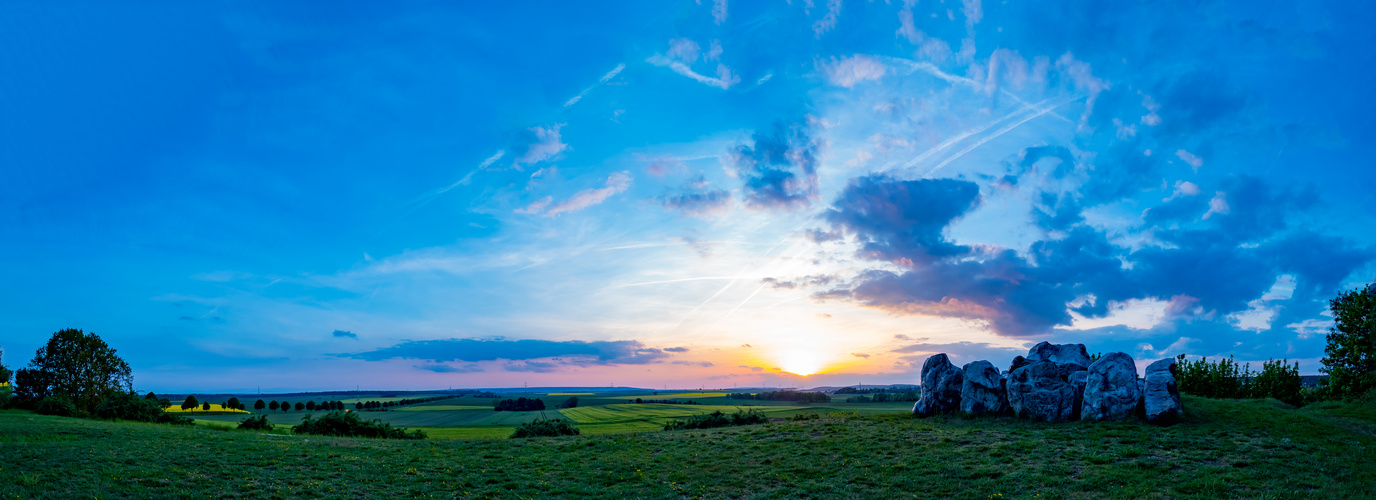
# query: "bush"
{"type": "Point", "coordinates": [717, 419]}
{"type": "Point", "coordinates": [1278, 380]}
{"type": "Point", "coordinates": [129, 406]}
{"type": "Point", "coordinates": [520, 404]}
{"type": "Point", "coordinates": [351, 425]}
{"type": "Point", "coordinates": [542, 427]}
{"type": "Point", "coordinates": [56, 405]}
{"type": "Point", "coordinates": [258, 423]}
{"type": "Point", "coordinates": [1219, 379]}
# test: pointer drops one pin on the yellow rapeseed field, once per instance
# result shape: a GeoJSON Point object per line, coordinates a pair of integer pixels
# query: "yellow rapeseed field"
{"type": "Point", "coordinates": [176, 408]}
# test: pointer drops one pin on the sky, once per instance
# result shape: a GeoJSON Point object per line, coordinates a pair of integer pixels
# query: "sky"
{"type": "Point", "coordinates": [302, 196]}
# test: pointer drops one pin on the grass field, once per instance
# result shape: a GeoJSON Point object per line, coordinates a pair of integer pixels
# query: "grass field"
{"type": "Point", "coordinates": [1254, 448]}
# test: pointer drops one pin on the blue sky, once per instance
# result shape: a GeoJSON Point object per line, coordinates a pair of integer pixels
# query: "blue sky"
{"type": "Point", "coordinates": [691, 194]}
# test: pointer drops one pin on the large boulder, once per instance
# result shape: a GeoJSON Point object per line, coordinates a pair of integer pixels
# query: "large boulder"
{"type": "Point", "coordinates": [1078, 379]}
{"type": "Point", "coordinates": [982, 392]}
{"type": "Point", "coordinates": [941, 386]}
{"type": "Point", "coordinates": [1018, 362]}
{"type": "Point", "coordinates": [1111, 388]}
{"type": "Point", "coordinates": [1162, 398]}
{"type": "Point", "coordinates": [1038, 392]}
{"type": "Point", "coordinates": [1061, 354]}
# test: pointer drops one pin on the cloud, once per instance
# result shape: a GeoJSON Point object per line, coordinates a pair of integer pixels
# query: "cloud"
{"type": "Point", "coordinates": [964, 352]}
{"type": "Point", "coordinates": [342, 333]}
{"type": "Point", "coordinates": [860, 355]}
{"type": "Point", "coordinates": [616, 183]}
{"type": "Point", "coordinates": [719, 11]}
{"type": "Point", "coordinates": [899, 220]}
{"type": "Point", "coordinates": [780, 169]}
{"type": "Point", "coordinates": [542, 144]}
{"type": "Point", "coordinates": [444, 368]}
{"type": "Point", "coordinates": [828, 22]}
{"type": "Point", "coordinates": [1193, 161]}
{"type": "Point", "coordinates": [724, 80]}
{"type": "Point", "coordinates": [696, 199]}
{"type": "Point", "coordinates": [1084, 80]}
{"type": "Point", "coordinates": [675, 349]}
{"type": "Point", "coordinates": [704, 364]}
{"type": "Point", "coordinates": [600, 81]}
{"type": "Point", "coordinates": [683, 50]}
{"type": "Point", "coordinates": [848, 71]}
{"type": "Point", "coordinates": [577, 352]}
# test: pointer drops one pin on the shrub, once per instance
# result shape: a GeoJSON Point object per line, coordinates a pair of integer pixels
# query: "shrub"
{"type": "Point", "coordinates": [351, 425]}
{"type": "Point", "coordinates": [717, 419]}
{"type": "Point", "coordinates": [542, 427]}
{"type": "Point", "coordinates": [1219, 379]}
{"type": "Point", "coordinates": [56, 405]}
{"type": "Point", "coordinates": [805, 416]}
{"type": "Point", "coordinates": [128, 406]}
{"type": "Point", "coordinates": [258, 423]}
{"type": "Point", "coordinates": [1278, 380]}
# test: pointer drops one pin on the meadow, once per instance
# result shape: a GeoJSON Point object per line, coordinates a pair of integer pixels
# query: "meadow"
{"type": "Point", "coordinates": [1247, 448]}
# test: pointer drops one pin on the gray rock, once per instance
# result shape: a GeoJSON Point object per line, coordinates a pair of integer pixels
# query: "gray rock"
{"type": "Point", "coordinates": [1018, 362]}
{"type": "Point", "coordinates": [1060, 354]}
{"type": "Point", "coordinates": [1111, 391]}
{"type": "Point", "coordinates": [1065, 369]}
{"type": "Point", "coordinates": [1036, 391]}
{"type": "Point", "coordinates": [1077, 379]}
{"type": "Point", "coordinates": [982, 392]}
{"type": "Point", "coordinates": [1162, 397]}
{"type": "Point", "coordinates": [941, 386]}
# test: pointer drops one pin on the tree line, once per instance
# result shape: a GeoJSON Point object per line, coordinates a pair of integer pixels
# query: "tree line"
{"type": "Point", "coordinates": [800, 397]}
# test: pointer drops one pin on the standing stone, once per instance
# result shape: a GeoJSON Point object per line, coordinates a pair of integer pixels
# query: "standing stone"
{"type": "Point", "coordinates": [982, 393]}
{"type": "Point", "coordinates": [1111, 388]}
{"type": "Point", "coordinates": [1060, 354]}
{"type": "Point", "coordinates": [1036, 391]}
{"type": "Point", "coordinates": [1077, 379]}
{"type": "Point", "coordinates": [1162, 399]}
{"type": "Point", "coordinates": [1018, 362]}
{"type": "Point", "coordinates": [941, 386]}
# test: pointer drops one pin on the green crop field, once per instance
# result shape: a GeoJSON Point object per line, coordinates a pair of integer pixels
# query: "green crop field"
{"type": "Point", "coordinates": [1225, 448]}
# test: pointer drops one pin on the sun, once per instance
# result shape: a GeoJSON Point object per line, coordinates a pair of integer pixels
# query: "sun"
{"type": "Point", "coordinates": [802, 363]}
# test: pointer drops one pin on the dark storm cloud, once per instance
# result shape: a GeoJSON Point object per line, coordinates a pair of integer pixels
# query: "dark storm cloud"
{"type": "Point", "coordinates": [897, 219]}
{"type": "Point", "coordinates": [345, 334]}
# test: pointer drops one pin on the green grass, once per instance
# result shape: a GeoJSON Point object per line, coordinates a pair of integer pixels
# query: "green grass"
{"type": "Point", "coordinates": [1253, 449]}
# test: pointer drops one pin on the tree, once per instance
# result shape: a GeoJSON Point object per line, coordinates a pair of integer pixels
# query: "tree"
{"type": "Point", "coordinates": [1350, 357]}
{"type": "Point", "coordinates": [310, 405]}
{"type": "Point", "coordinates": [79, 366]}
{"type": "Point", "coordinates": [190, 403]}
{"type": "Point", "coordinates": [4, 372]}
{"type": "Point", "coordinates": [300, 406]}
{"type": "Point", "coordinates": [233, 403]}
{"type": "Point", "coordinates": [358, 405]}
{"type": "Point", "coordinates": [273, 405]}
{"type": "Point", "coordinates": [206, 406]}
{"type": "Point", "coordinates": [259, 404]}
{"type": "Point", "coordinates": [151, 396]}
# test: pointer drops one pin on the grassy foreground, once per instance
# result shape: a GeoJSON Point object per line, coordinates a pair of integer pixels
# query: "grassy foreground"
{"type": "Point", "coordinates": [1255, 449]}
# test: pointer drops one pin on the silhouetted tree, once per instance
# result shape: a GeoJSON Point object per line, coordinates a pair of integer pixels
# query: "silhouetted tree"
{"type": "Point", "coordinates": [259, 404]}
{"type": "Point", "coordinates": [206, 406]}
{"type": "Point", "coordinates": [358, 405]}
{"type": "Point", "coordinates": [272, 405]}
{"type": "Point", "coordinates": [151, 396]}
{"type": "Point", "coordinates": [233, 403]}
{"type": "Point", "coordinates": [190, 402]}
{"type": "Point", "coordinates": [79, 366]}
{"type": "Point", "coordinates": [1350, 356]}
{"type": "Point", "coordinates": [310, 405]}
{"type": "Point", "coordinates": [300, 406]}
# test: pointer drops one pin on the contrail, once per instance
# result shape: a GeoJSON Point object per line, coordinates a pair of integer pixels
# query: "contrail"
{"type": "Point", "coordinates": [729, 285]}
{"type": "Point", "coordinates": [965, 135]}
{"type": "Point", "coordinates": [1000, 132]}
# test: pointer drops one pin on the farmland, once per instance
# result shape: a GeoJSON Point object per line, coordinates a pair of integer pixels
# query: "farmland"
{"type": "Point", "coordinates": [1247, 448]}
{"type": "Point", "coordinates": [597, 413]}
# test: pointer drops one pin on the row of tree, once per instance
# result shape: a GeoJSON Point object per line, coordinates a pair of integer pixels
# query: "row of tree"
{"type": "Point", "coordinates": [801, 397]}
{"type": "Point", "coordinates": [662, 401]}
{"type": "Point", "coordinates": [885, 397]}
{"type": "Point", "coordinates": [520, 404]}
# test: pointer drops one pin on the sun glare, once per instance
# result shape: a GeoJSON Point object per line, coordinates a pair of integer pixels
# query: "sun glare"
{"type": "Point", "coordinates": [801, 363]}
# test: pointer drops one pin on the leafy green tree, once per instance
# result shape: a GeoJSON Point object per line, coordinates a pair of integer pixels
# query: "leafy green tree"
{"type": "Point", "coordinates": [151, 396]}
{"type": "Point", "coordinates": [300, 406]}
{"type": "Point", "coordinates": [1350, 357]}
{"type": "Point", "coordinates": [206, 406]}
{"type": "Point", "coordinates": [233, 403]}
{"type": "Point", "coordinates": [164, 403]}
{"type": "Point", "coordinates": [273, 405]}
{"type": "Point", "coordinates": [190, 402]}
{"type": "Point", "coordinates": [79, 366]}
{"type": "Point", "coordinates": [259, 404]}
{"type": "Point", "coordinates": [1278, 379]}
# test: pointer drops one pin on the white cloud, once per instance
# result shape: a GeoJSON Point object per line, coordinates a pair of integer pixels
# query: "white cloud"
{"type": "Point", "coordinates": [1083, 76]}
{"type": "Point", "coordinates": [1151, 119]}
{"type": "Point", "coordinates": [546, 146]}
{"type": "Point", "coordinates": [828, 22]}
{"type": "Point", "coordinates": [719, 11]}
{"type": "Point", "coordinates": [713, 51]}
{"type": "Point", "coordinates": [724, 80]}
{"type": "Point", "coordinates": [1189, 158]}
{"type": "Point", "coordinates": [1218, 205]}
{"type": "Point", "coordinates": [907, 29]}
{"type": "Point", "coordinates": [848, 71]}
{"type": "Point", "coordinates": [616, 183]}
{"type": "Point", "coordinates": [1183, 188]}
{"type": "Point", "coordinates": [973, 13]}
{"type": "Point", "coordinates": [683, 49]}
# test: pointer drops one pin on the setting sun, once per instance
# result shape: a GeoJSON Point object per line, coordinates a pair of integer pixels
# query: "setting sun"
{"type": "Point", "coordinates": [801, 363]}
